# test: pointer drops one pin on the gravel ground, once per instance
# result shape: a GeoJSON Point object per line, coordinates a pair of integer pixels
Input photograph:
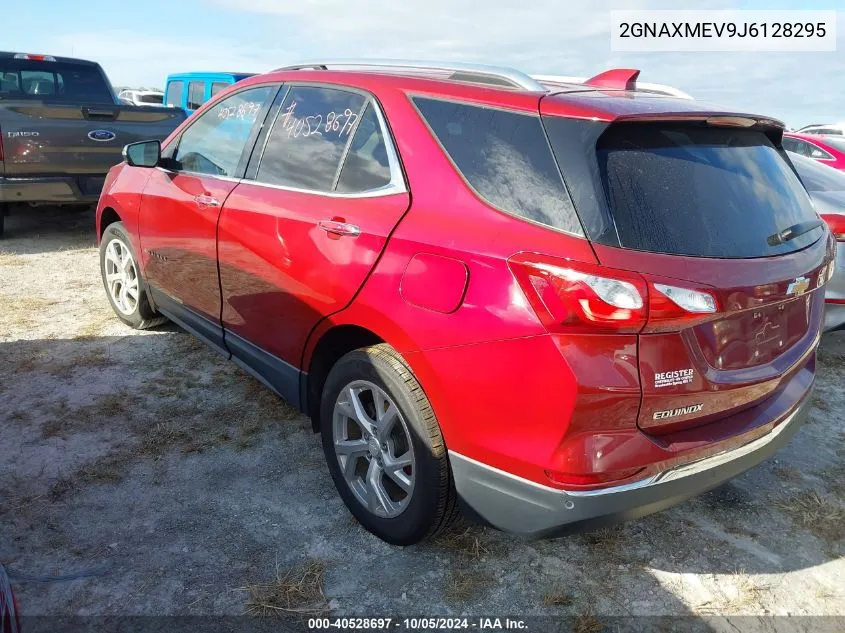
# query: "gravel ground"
{"type": "Point", "coordinates": [173, 483]}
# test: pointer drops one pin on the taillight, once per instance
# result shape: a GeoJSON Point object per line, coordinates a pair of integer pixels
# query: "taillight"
{"type": "Point", "coordinates": [836, 223]}
{"type": "Point", "coordinates": [578, 297]}
{"type": "Point", "coordinates": [588, 298]}
{"type": "Point", "coordinates": [674, 307]}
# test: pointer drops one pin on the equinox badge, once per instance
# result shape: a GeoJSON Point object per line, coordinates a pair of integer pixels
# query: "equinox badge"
{"type": "Point", "coordinates": [671, 413]}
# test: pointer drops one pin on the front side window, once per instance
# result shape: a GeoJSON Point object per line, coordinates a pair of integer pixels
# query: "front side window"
{"type": "Point", "coordinates": [175, 89]}
{"type": "Point", "coordinates": [309, 135]}
{"type": "Point", "coordinates": [214, 143]}
{"type": "Point", "coordinates": [505, 158]}
{"type": "Point", "coordinates": [196, 94]}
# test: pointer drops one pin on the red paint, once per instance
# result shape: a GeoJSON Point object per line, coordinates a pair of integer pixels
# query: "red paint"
{"type": "Point", "coordinates": [434, 282]}
{"type": "Point", "coordinates": [442, 277]}
{"type": "Point", "coordinates": [619, 78]}
{"type": "Point", "coordinates": [838, 156]}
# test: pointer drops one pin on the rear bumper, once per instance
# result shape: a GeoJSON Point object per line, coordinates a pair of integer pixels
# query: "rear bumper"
{"type": "Point", "coordinates": [527, 508]}
{"type": "Point", "coordinates": [52, 189]}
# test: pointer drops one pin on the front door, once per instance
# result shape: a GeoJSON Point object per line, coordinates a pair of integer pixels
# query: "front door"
{"type": "Point", "coordinates": [297, 240]}
{"type": "Point", "coordinates": [181, 204]}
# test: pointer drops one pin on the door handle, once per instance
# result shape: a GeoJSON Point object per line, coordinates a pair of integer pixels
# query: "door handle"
{"type": "Point", "coordinates": [334, 227]}
{"type": "Point", "coordinates": [206, 200]}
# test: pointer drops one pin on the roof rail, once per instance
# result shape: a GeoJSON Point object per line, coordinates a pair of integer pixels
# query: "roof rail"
{"type": "Point", "coordinates": [638, 86]}
{"type": "Point", "coordinates": [478, 73]}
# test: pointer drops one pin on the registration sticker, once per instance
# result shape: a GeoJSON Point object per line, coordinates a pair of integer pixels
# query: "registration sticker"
{"type": "Point", "coordinates": [673, 378]}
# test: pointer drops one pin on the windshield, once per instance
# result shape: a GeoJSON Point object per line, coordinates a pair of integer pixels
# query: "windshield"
{"type": "Point", "coordinates": [817, 176]}
{"type": "Point", "coordinates": [700, 191]}
{"type": "Point", "coordinates": [53, 81]}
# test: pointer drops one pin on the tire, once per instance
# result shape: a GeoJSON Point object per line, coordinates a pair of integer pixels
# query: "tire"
{"type": "Point", "coordinates": [431, 504]}
{"type": "Point", "coordinates": [138, 314]}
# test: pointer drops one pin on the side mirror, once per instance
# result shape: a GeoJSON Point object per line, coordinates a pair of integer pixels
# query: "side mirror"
{"type": "Point", "coordinates": [142, 154]}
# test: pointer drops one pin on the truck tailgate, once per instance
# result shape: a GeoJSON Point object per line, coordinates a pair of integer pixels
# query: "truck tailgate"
{"type": "Point", "coordinates": [42, 139]}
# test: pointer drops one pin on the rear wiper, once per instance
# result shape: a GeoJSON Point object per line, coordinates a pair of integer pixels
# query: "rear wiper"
{"type": "Point", "coordinates": [790, 233]}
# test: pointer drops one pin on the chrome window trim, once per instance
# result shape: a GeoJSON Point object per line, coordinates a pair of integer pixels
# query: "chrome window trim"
{"type": "Point", "coordinates": [397, 182]}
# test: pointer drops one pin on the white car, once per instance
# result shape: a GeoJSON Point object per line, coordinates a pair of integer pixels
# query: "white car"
{"type": "Point", "coordinates": [142, 97]}
{"type": "Point", "coordinates": [826, 187]}
{"type": "Point", "coordinates": [835, 129]}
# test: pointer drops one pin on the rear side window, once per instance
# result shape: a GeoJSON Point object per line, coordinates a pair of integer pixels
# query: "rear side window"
{"type": "Point", "coordinates": [214, 143]}
{"type": "Point", "coordinates": [366, 166]}
{"type": "Point", "coordinates": [175, 89]}
{"type": "Point", "coordinates": [307, 142]}
{"type": "Point", "coordinates": [196, 94]}
{"type": "Point", "coordinates": [505, 158]}
{"type": "Point", "coordinates": [53, 81]}
{"type": "Point", "coordinates": [700, 191]}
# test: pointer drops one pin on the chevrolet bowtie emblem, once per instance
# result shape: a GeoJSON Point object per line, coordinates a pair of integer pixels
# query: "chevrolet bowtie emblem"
{"type": "Point", "coordinates": [798, 287]}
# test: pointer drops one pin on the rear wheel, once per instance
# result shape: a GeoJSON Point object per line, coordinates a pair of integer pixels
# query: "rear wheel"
{"type": "Point", "coordinates": [384, 448]}
{"type": "Point", "coordinates": [123, 282]}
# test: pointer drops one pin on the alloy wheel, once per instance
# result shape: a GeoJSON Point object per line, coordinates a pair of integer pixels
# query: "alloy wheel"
{"type": "Point", "coordinates": [121, 277]}
{"type": "Point", "coordinates": [374, 449]}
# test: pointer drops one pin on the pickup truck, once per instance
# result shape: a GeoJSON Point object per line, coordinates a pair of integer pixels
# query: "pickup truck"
{"type": "Point", "coordinates": [62, 128]}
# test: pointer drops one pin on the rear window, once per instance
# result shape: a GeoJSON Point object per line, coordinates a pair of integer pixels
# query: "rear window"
{"type": "Point", "coordinates": [53, 81]}
{"type": "Point", "coordinates": [505, 157]}
{"type": "Point", "coordinates": [150, 98]}
{"type": "Point", "coordinates": [700, 191]}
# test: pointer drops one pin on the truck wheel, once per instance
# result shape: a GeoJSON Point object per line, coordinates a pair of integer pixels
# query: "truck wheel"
{"type": "Point", "coordinates": [122, 279]}
{"type": "Point", "coordinates": [384, 447]}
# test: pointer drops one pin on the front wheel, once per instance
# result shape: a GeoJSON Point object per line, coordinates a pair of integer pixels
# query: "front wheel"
{"type": "Point", "coordinates": [384, 447]}
{"type": "Point", "coordinates": [123, 281]}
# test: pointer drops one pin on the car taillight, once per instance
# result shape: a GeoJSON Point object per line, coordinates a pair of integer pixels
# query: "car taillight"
{"type": "Point", "coordinates": [588, 298]}
{"type": "Point", "coordinates": [836, 223]}
{"type": "Point", "coordinates": [578, 297]}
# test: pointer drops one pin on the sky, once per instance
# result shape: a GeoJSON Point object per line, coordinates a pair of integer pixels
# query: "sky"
{"type": "Point", "coordinates": [140, 43]}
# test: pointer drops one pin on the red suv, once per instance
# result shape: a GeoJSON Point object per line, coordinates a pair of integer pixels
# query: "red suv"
{"type": "Point", "coordinates": [550, 304]}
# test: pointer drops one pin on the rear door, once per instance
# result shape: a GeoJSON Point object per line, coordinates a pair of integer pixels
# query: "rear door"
{"type": "Point", "coordinates": [734, 310]}
{"type": "Point", "coordinates": [299, 236]}
{"type": "Point", "coordinates": [180, 207]}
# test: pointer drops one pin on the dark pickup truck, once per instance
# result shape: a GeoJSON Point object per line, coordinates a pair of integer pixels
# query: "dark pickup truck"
{"type": "Point", "coordinates": [62, 128]}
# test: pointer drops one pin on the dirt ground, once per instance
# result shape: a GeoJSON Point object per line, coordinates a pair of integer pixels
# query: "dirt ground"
{"type": "Point", "coordinates": [141, 473]}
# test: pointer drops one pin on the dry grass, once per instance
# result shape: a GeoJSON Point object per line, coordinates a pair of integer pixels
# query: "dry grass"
{"type": "Point", "coordinates": [463, 585]}
{"type": "Point", "coordinates": [22, 313]}
{"type": "Point", "coordinates": [295, 590]}
{"type": "Point", "coordinates": [65, 420]}
{"type": "Point", "coordinates": [787, 473]}
{"type": "Point", "coordinates": [737, 593]}
{"type": "Point", "coordinates": [557, 598]}
{"type": "Point", "coordinates": [815, 513]}
{"type": "Point", "coordinates": [463, 541]}
{"type": "Point", "coordinates": [587, 622]}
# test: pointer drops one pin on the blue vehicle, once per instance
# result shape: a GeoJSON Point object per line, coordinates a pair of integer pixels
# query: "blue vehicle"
{"type": "Point", "coordinates": [190, 90]}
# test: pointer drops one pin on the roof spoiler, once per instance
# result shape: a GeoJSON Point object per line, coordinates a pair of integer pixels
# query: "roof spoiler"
{"type": "Point", "coordinates": [619, 78]}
